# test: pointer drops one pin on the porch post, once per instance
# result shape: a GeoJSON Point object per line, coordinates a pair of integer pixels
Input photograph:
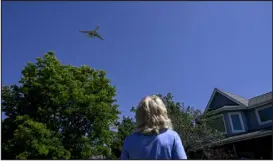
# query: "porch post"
{"type": "Point", "coordinates": [235, 152]}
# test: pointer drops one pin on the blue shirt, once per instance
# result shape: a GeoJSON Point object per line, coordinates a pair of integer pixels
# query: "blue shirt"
{"type": "Point", "coordinates": [166, 145]}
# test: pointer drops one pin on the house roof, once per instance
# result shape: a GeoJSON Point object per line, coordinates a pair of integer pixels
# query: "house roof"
{"type": "Point", "coordinates": [237, 138]}
{"type": "Point", "coordinates": [240, 99]}
{"type": "Point", "coordinates": [243, 102]}
{"type": "Point", "coordinates": [247, 136]}
{"type": "Point", "coordinates": [260, 99]}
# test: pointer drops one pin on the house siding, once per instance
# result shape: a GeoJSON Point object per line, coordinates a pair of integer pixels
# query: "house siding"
{"type": "Point", "coordinates": [219, 101]}
{"type": "Point", "coordinates": [228, 126]}
{"type": "Point", "coordinates": [244, 119]}
{"type": "Point", "coordinates": [249, 120]}
{"type": "Point", "coordinates": [228, 123]}
{"type": "Point", "coordinates": [248, 112]}
{"type": "Point", "coordinates": [253, 123]}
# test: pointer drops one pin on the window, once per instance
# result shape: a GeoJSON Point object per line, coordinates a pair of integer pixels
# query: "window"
{"type": "Point", "coordinates": [264, 115]}
{"type": "Point", "coordinates": [236, 122]}
{"type": "Point", "coordinates": [218, 123]}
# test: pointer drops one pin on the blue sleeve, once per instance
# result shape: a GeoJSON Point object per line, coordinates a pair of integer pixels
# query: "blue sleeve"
{"type": "Point", "coordinates": [178, 151]}
{"type": "Point", "coordinates": [124, 153]}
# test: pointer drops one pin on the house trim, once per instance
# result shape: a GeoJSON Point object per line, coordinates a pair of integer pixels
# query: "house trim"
{"type": "Point", "coordinates": [222, 93]}
{"type": "Point", "coordinates": [221, 115]}
{"type": "Point", "coordinates": [238, 138]}
{"type": "Point", "coordinates": [232, 108]}
{"type": "Point", "coordinates": [227, 108]}
{"type": "Point", "coordinates": [248, 136]}
{"type": "Point", "coordinates": [258, 117]}
{"type": "Point", "coordinates": [241, 121]}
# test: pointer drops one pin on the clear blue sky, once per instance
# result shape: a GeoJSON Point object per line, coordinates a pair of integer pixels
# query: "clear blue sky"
{"type": "Point", "coordinates": [186, 48]}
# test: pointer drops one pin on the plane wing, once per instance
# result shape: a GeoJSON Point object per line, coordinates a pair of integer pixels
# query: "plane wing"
{"type": "Point", "coordinates": [96, 34]}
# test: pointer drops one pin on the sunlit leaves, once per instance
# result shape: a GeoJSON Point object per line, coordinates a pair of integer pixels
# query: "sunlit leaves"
{"type": "Point", "coordinates": [74, 103]}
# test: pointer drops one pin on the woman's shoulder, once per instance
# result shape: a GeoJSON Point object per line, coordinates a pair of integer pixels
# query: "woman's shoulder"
{"type": "Point", "coordinates": [164, 132]}
{"type": "Point", "coordinates": [132, 135]}
{"type": "Point", "coordinates": [171, 132]}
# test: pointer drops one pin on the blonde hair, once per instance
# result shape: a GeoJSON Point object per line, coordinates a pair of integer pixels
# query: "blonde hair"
{"type": "Point", "coordinates": [151, 116]}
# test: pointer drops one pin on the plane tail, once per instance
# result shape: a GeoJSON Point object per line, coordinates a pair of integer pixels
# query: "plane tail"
{"type": "Point", "coordinates": [97, 27]}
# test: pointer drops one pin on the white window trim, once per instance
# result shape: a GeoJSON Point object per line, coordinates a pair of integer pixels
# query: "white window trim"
{"type": "Point", "coordinates": [221, 115]}
{"type": "Point", "coordinates": [241, 121]}
{"type": "Point", "coordinates": [258, 117]}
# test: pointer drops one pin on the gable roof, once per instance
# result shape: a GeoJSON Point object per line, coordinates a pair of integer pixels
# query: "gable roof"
{"type": "Point", "coordinates": [240, 99]}
{"type": "Point", "coordinates": [237, 99]}
{"type": "Point", "coordinates": [243, 102]}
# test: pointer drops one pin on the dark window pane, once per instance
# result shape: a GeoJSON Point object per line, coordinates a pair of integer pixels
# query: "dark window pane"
{"type": "Point", "coordinates": [236, 122]}
{"type": "Point", "coordinates": [218, 124]}
{"type": "Point", "coordinates": [265, 114]}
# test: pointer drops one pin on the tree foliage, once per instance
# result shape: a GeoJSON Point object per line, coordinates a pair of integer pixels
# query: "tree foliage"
{"type": "Point", "coordinates": [58, 111]}
{"type": "Point", "coordinates": [188, 122]}
{"type": "Point", "coordinates": [37, 138]}
{"type": "Point", "coordinates": [191, 124]}
{"type": "Point", "coordinates": [124, 128]}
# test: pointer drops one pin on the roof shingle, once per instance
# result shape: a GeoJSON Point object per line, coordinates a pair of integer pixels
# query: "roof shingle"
{"type": "Point", "coordinates": [240, 99]}
{"type": "Point", "coordinates": [260, 99]}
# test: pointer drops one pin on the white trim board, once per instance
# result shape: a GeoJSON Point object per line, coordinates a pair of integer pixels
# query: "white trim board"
{"type": "Point", "coordinates": [226, 108]}
{"type": "Point", "coordinates": [241, 121]}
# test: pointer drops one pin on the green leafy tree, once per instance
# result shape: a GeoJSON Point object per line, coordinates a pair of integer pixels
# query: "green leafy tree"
{"type": "Point", "coordinates": [124, 129]}
{"type": "Point", "coordinates": [74, 106]}
{"type": "Point", "coordinates": [37, 138]}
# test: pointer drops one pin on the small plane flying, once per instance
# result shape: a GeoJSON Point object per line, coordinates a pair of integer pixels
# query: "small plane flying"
{"type": "Point", "coordinates": [93, 33]}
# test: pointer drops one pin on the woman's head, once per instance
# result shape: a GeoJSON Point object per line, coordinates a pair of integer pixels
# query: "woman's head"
{"type": "Point", "coordinates": [151, 115]}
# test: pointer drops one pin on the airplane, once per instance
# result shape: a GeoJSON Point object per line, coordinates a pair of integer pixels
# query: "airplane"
{"type": "Point", "coordinates": [93, 33]}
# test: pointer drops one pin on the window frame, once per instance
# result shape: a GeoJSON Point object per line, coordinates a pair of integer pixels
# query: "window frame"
{"type": "Point", "coordinates": [241, 121]}
{"type": "Point", "coordinates": [258, 116]}
{"type": "Point", "coordinates": [221, 115]}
